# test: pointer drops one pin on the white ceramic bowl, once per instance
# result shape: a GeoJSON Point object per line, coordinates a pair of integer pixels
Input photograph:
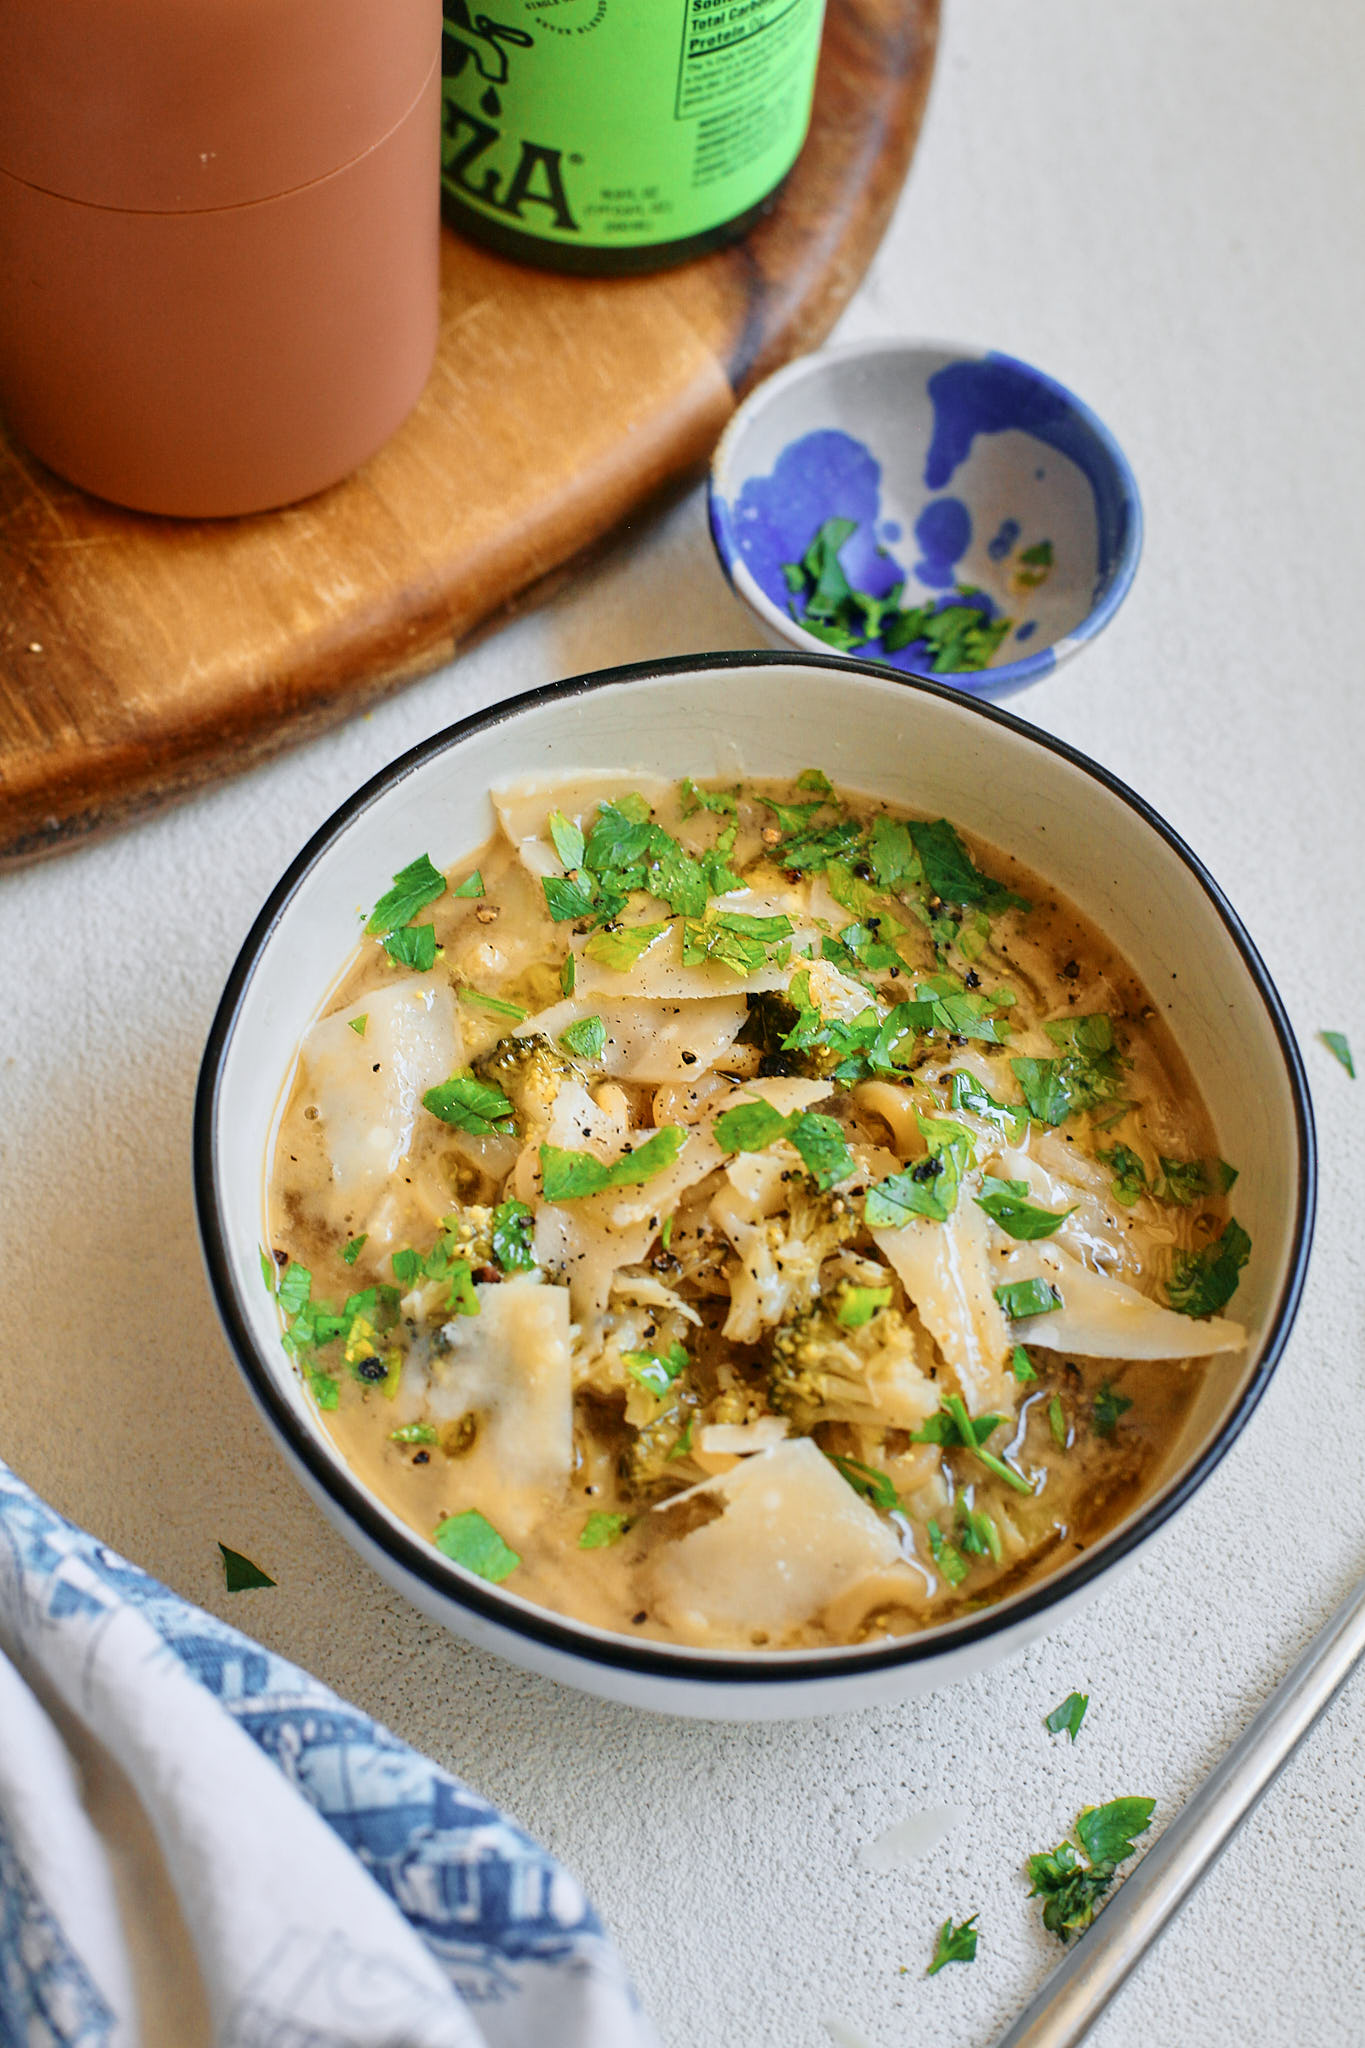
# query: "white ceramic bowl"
{"type": "Point", "coordinates": [954, 463]}
{"type": "Point", "coordinates": [915, 744]}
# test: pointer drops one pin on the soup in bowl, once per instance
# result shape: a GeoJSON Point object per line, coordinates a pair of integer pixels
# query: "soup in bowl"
{"type": "Point", "coordinates": [761, 1207]}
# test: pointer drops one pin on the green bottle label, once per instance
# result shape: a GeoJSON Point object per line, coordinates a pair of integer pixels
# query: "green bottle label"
{"type": "Point", "coordinates": [624, 123]}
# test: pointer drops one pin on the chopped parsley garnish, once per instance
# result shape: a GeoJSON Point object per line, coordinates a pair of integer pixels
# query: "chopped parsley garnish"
{"type": "Point", "coordinates": [753, 1126]}
{"type": "Point", "coordinates": [1071, 1890]}
{"type": "Point", "coordinates": [858, 1305]}
{"type": "Point", "coordinates": [1020, 1366]}
{"type": "Point", "coordinates": [979, 1533]}
{"type": "Point", "coordinates": [966, 1092]}
{"type": "Point", "coordinates": [471, 1540]}
{"type": "Point", "coordinates": [351, 1251]}
{"type": "Point", "coordinates": [472, 885]}
{"type": "Point", "coordinates": [414, 1433]}
{"type": "Point", "coordinates": [295, 1288]}
{"type": "Point", "coordinates": [585, 1038]}
{"type": "Point", "coordinates": [413, 888]}
{"type": "Point", "coordinates": [620, 946]}
{"type": "Point", "coordinates": [513, 1229]}
{"type": "Point", "coordinates": [499, 1006]}
{"type": "Point", "coordinates": [567, 839]}
{"type": "Point", "coordinates": [323, 1387]}
{"type": "Point", "coordinates": [958, 637]}
{"type": "Point", "coordinates": [357, 1024]}
{"type": "Point", "coordinates": [1090, 1072]}
{"type": "Point", "coordinates": [1056, 1421]}
{"type": "Point", "coordinates": [695, 799]}
{"type": "Point", "coordinates": [732, 939]}
{"type": "Point", "coordinates": [1107, 1409]}
{"type": "Point", "coordinates": [947, 1556]}
{"type": "Point", "coordinates": [1130, 1178]}
{"type": "Point", "coordinates": [1036, 1297]}
{"type": "Point", "coordinates": [568, 1176]}
{"type": "Point", "coordinates": [951, 872]}
{"type": "Point", "coordinates": [1204, 1282]}
{"type": "Point", "coordinates": [1067, 1718]}
{"type": "Point", "coordinates": [445, 1262]}
{"type": "Point", "coordinates": [929, 1187]}
{"type": "Point", "coordinates": [1339, 1047]}
{"type": "Point", "coordinates": [1006, 1203]}
{"type": "Point", "coordinates": [656, 1370]}
{"type": "Point", "coordinates": [1183, 1181]}
{"type": "Point", "coordinates": [874, 1486]}
{"type": "Point", "coordinates": [240, 1575]}
{"type": "Point", "coordinates": [412, 945]}
{"type": "Point", "coordinates": [566, 898]}
{"type": "Point", "coordinates": [601, 1529]}
{"type": "Point", "coordinates": [568, 974]}
{"type": "Point", "coordinates": [953, 1427]}
{"type": "Point", "coordinates": [954, 1945]}
{"type": "Point", "coordinates": [816, 779]}
{"type": "Point", "coordinates": [467, 1104]}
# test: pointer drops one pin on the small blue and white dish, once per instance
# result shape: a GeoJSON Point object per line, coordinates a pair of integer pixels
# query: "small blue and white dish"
{"type": "Point", "coordinates": [961, 472]}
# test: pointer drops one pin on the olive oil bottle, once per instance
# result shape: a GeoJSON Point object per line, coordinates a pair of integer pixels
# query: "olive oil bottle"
{"type": "Point", "coordinates": [621, 135]}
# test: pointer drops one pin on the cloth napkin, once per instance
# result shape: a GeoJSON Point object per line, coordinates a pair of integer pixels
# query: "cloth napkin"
{"type": "Point", "coordinates": [337, 1888]}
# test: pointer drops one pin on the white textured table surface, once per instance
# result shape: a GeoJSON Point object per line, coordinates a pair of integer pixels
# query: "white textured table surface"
{"type": "Point", "coordinates": [1163, 205]}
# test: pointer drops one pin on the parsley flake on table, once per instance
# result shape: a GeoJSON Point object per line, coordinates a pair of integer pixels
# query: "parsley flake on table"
{"type": "Point", "coordinates": [1204, 1282]}
{"type": "Point", "coordinates": [413, 888]}
{"type": "Point", "coordinates": [568, 1175]}
{"type": "Point", "coordinates": [467, 1104]}
{"type": "Point", "coordinates": [240, 1575]}
{"type": "Point", "coordinates": [954, 1945]}
{"type": "Point", "coordinates": [1071, 1890]}
{"type": "Point", "coordinates": [1339, 1047]}
{"type": "Point", "coordinates": [470, 1539]}
{"type": "Point", "coordinates": [1067, 1718]}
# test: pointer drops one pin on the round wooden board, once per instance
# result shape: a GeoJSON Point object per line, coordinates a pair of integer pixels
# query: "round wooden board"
{"type": "Point", "coordinates": [141, 658]}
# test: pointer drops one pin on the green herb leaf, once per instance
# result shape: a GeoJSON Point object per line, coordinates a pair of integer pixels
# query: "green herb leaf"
{"type": "Point", "coordinates": [495, 1004]}
{"type": "Point", "coordinates": [240, 1575]}
{"type": "Point", "coordinates": [1183, 1181]}
{"type": "Point", "coordinates": [751, 1127]}
{"type": "Point", "coordinates": [513, 1229]}
{"type": "Point", "coordinates": [673, 877]}
{"type": "Point", "coordinates": [413, 888]}
{"type": "Point", "coordinates": [585, 1038]}
{"type": "Point", "coordinates": [693, 798]}
{"type": "Point", "coordinates": [1043, 1086]}
{"type": "Point", "coordinates": [1108, 1833]}
{"type": "Point", "coordinates": [874, 1485]}
{"type": "Point", "coordinates": [269, 1270]}
{"type": "Point", "coordinates": [656, 1370]}
{"type": "Point", "coordinates": [1056, 1422]}
{"type": "Point", "coordinates": [295, 1288]}
{"type": "Point", "coordinates": [467, 1104]}
{"type": "Point", "coordinates": [567, 839]}
{"type": "Point", "coordinates": [1067, 1718]}
{"type": "Point", "coordinates": [892, 855]}
{"type": "Point", "coordinates": [357, 1024]}
{"type": "Point", "coordinates": [407, 1267]}
{"type": "Point", "coordinates": [966, 1092]}
{"type": "Point", "coordinates": [414, 1433]}
{"type": "Point", "coordinates": [824, 1152]}
{"type": "Point", "coordinates": [947, 1556]}
{"type": "Point", "coordinates": [1020, 1366]}
{"type": "Point", "coordinates": [620, 947]}
{"type": "Point", "coordinates": [1108, 1407]}
{"type": "Point", "coordinates": [1338, 1045]}
{"type": "Point", "coordinates": [978, 1533]}
{"type": "Point", "coordinates": [951, 872]}
{"type": "Point", "coordinates": [858, 1305]}
{"type": "Point", "coordinates": [570, 1175]}
{"type": "Point", "coordinates": [815, 779]}
{"type": "Point", "coordinates": [568, 974]}
{"type": "Point", "coordinates": [1071, 1891]}
{"type": "Point", "coordinates": [601, 1529]}
{"type": "Point", "coordinates": [472, 885]}
{"type": "Point", "coordinates": [351, 1252]}
{"type": "Point", "coordinates": [1089, 1037]}
{"type": "Point", "coordinates": [1028, 1298]}
{"type": "Point", "coordinates": [954, 1945]}
{"type": "Point", "coordinates": [1130, 1178]}
{"type": "Point", "coordinates": [1204, 1282]}
{"type": "Point", "coordinates": [1006, 1203]}
{"type": "Point", "coordinates": [323, 1388]}
{"type": "Point", "coordinates": [568, 897]}
{"type": "Point", "coordinates": [471, 1540]}
{"type": "Point", "coordinates": [413, 945]}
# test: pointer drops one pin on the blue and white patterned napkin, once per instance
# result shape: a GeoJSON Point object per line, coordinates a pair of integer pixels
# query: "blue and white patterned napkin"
{"type": "Point", "coordinates": [340, 1891]}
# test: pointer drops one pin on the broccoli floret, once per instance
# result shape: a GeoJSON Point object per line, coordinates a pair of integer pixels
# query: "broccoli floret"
{"type": "Point", "coordinates": [821, 1371]}
{"type": "Point", "coordinates": [530, 1072]}
{"type": "Point", "coordinates": [659, 1452]}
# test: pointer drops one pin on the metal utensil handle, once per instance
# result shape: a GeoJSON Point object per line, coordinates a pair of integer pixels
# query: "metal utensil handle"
{"type": "Point", "coordinates": [1076, 1993]}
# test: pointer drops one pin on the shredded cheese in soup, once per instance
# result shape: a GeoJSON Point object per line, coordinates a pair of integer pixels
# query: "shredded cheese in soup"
{"type": "Point", "coordinates": [746, 1217]}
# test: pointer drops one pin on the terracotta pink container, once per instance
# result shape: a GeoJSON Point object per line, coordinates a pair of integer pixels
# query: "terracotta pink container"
{"type": "Point", "coordinates": [219, 240]}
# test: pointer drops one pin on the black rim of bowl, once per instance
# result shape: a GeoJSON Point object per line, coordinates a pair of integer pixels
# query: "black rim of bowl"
{"type": "Point", "coordinates": [542, 1625]}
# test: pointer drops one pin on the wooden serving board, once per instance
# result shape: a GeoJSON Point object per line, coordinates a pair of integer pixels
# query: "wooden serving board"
{"type": "Point", "coordinates": [141, 657]}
